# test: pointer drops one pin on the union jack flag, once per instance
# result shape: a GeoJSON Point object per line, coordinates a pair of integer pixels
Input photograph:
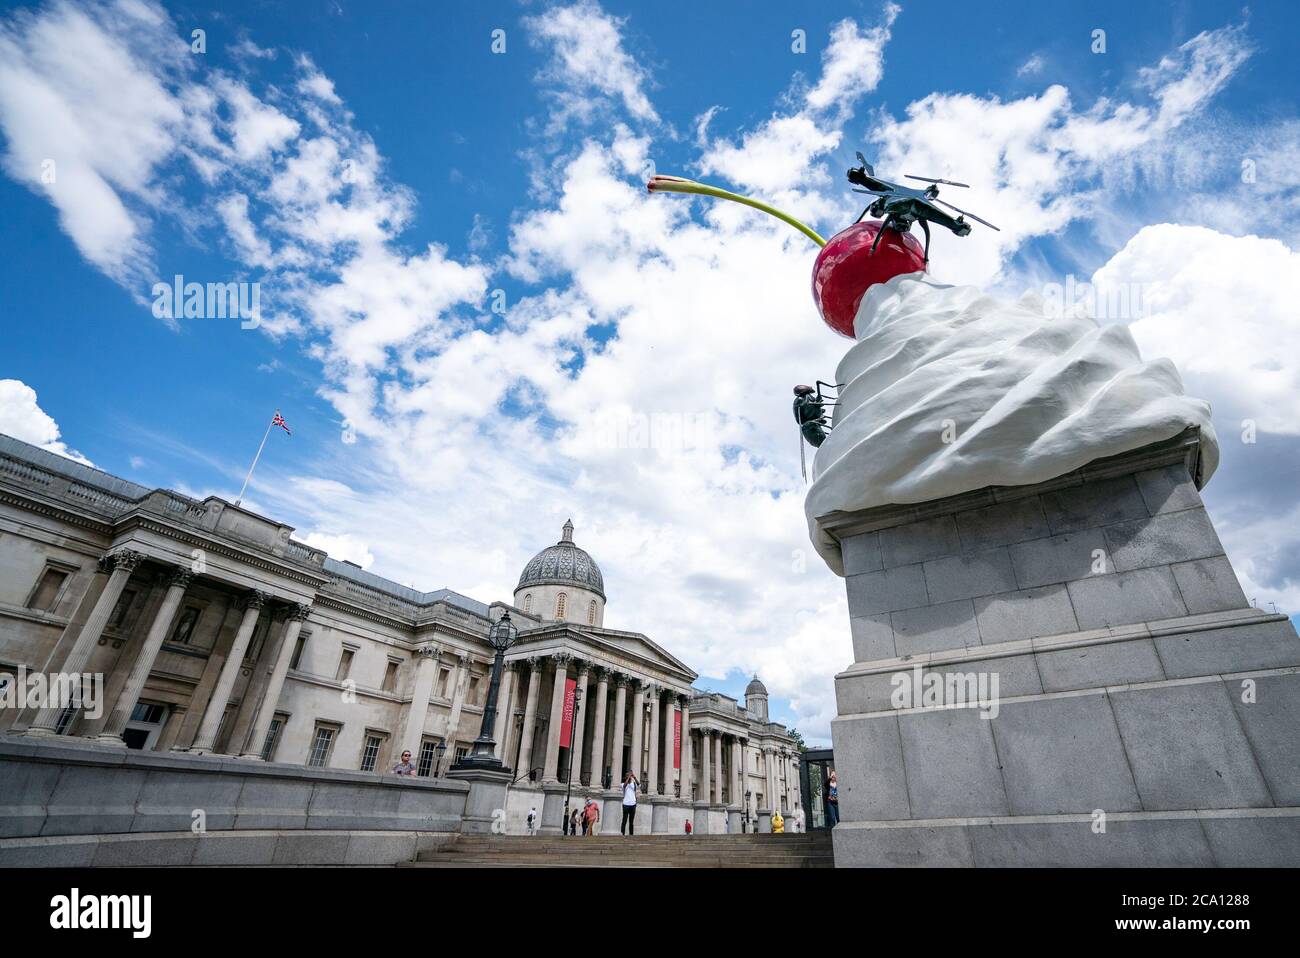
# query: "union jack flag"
{"type": "Point", "coordinates": [279, 421]}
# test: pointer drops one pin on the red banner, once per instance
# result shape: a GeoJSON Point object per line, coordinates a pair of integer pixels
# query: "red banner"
{"type": "Point", "coordinates": [566, 723]}
{"type": "Point", "coordinates": [677, 738]}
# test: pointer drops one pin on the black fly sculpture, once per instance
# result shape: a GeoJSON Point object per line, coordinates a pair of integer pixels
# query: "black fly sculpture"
{"type": "Point", "coordinates": [810, 413]}
{"type": "Point", "coordinates": [901, 206]}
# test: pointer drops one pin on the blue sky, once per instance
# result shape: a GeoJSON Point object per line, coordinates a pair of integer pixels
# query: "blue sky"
{"type": "Point", "coordinates": [380, 171]}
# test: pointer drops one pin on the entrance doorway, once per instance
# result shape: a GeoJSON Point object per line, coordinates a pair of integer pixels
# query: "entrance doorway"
{"type": "Point", "coordinates": [814, 777]}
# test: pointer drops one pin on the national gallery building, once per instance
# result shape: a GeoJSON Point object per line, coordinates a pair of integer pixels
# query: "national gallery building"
{"type": "Point", "coordinates": [216, 632]}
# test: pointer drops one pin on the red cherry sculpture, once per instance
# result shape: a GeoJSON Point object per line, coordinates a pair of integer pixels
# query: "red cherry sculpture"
{"type": "Point", "coordinates": [846, 268]}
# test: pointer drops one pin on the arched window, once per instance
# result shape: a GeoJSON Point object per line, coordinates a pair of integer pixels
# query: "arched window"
{"type": "Point", "coordinates": [561, 601]}
{"type": "Point", "coordinates": [591, 613]}
{"type": "Point", "coordinates": [528, 602]}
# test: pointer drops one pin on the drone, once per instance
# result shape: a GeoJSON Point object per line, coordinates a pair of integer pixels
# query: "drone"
{"type": "Point", "coordinates": [901, 206]}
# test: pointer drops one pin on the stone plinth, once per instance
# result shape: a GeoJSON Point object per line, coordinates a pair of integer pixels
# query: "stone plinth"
{"type": "Point", "coordinates": [1113, 697]}
{"type": "Point", "coordinates": [485, 805]}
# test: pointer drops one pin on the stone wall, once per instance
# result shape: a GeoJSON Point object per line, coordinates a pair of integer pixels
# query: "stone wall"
{"type": "Point", "coordinates": [51, 788]}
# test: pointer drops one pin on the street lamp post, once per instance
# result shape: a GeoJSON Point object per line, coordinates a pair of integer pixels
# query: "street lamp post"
{"type": "Point", "coordinates": [483, 754]}
{"type": "Point", "coordinates": [441, 749]}
{"type": "Point", "coordinates": [744, 822]}
{"type": "Point", "coordinates": [568, 777]}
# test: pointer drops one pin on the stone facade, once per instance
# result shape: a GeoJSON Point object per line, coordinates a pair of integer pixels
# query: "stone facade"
{"type": "Point", "coordinates": [217, 633]}
{"type": "Point", "coordinates": [1144, 712]}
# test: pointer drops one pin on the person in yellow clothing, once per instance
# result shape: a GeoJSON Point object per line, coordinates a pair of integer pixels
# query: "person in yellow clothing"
{"type": "Point", "coordinates": [778, 823]}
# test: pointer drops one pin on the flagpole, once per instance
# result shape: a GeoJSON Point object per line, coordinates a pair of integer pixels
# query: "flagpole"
{"type": "Point", "coordinates": [244, 488]}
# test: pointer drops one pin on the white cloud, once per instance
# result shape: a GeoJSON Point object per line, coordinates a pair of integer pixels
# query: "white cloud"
{"type": "Point", "coordinates": [853, 63]}
{"type": "Point", "coordinates": [589, 60]}
{"type": "Point", "coordinates": [1223, 308]}
{"type": "Point", "coordinates": [1030, 67]}
{"type": "Point", "coordinates": [75, 91]}
{"type": "Point", "coordinates": [345, 547]}
{"type": "Point", "coordinates": [22, 417]}
{"type": "Point", "coordinates": [1034, 164]}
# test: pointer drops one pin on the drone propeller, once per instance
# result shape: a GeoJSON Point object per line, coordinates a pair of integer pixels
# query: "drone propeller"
{"type": "Point", "coordinates": [964, 213]}
{"type": "Point", "coordinates": [931, 179]}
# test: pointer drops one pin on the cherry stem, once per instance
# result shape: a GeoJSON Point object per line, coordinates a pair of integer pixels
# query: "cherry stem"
{"type": "Point", "coordinates": [677, 184]}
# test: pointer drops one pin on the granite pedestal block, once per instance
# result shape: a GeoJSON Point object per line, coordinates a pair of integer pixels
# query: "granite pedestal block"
{"type": "Point", "coordinates": [1063, 674]}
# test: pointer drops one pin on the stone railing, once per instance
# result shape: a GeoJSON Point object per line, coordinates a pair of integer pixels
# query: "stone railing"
{"type": "Point", "coordinates": [67, 788]}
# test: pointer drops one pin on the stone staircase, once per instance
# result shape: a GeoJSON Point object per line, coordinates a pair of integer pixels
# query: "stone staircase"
{"type": "Point", "coordinates": [811, 850]}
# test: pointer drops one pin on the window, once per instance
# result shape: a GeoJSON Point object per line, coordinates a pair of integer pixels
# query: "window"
{"type": "Point", "coordinates": [118, 617]}
{"type": "Point", "coordinates": [428, 752]}
{"type": "Point", "coordinates": [473, 690]}
{"type": "Point", "coordinates": [273, 737]}
{"type": "Point", "coordinates": [444, 676]}
{"type": "Point", "coordinates": [46, 594]}
{"type": "Point", "coordinates": [591, 613]}
{"type": "Point", "coordinates": [297, 650]}
{"type": "Point", "coordinates": [390, 675]}
{"type": "Point", "coordinates": [528, 602]}
{"type": "Point", "coordinates": [66, 718]}
{"type": "Point", "coordinates": [345, 663]}
{"type": "Point", "coordinates": [145, 725]}
{"type": "Point", "coordinates": [461, 752]}
{"type": "Point", "coordinates": [185, 625]}
{"type": "Point", "coordinates": [148, 712]}
{"type": "Point", "coordinates": [561, 601]}
{"type": "Point", "coordinates": [370, 752]}
{"type": "Point", "coordinates": [322, 743]}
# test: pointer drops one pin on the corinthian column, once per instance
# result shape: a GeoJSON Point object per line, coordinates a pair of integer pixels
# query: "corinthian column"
{"type": "Point", "coordinates": [706, 766]}
{"type": "Point", "coordinates": [687, 773]}
{"type": "Point", "coordinates": [616, 746]}
{"type": "Point", "coordinates": [717, 765]}
{"type": "Point", "coordinates": [500, 731]}
{"type": "Point", "coordinates": [177, 582]}
{"type": "Point", "coordinates": [579, 723]}
{"type": "Point", "coordinates": [530, 719]}
{"type": "Point", "coordinates": [638, 727]}
{"type": "Point", "coordinates": [425, 671]}
{"type": "Point", "coordinates": [207, 737]}
{"type": "Point", "coordinates": [122, 564]}
{"type": "Point", "coordinates": [652, 772]}
{"type": "Point", "coordinates": [550, 772]}
{"type": "Point", "coordinates": [737, 762]}
{"type": "Point", "coordinates": [598, 729]}
{"type": "Point", "coordinates": [297, 616]}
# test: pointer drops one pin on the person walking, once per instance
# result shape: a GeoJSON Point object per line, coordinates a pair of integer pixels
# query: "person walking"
{"type": "Point", "coordinates": [574, 820]}
{"type": "Point", "coordinates": [833, 800]}
{"type": "Point", "coordinates": [591, 817]}
{"type": "Point", "coordinates": [630, 785]}
{"type": "Point", "coordinates": [532, 821]}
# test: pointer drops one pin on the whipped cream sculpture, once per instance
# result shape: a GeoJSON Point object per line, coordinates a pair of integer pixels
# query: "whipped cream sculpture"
{"type": "Point", "coordinates": [947, 389]}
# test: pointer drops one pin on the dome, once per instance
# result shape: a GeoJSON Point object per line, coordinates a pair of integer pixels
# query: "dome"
{"type": "Point", "coordinates": [563, 564]}
{"type": "Point", "coordinates": [755, 687]}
